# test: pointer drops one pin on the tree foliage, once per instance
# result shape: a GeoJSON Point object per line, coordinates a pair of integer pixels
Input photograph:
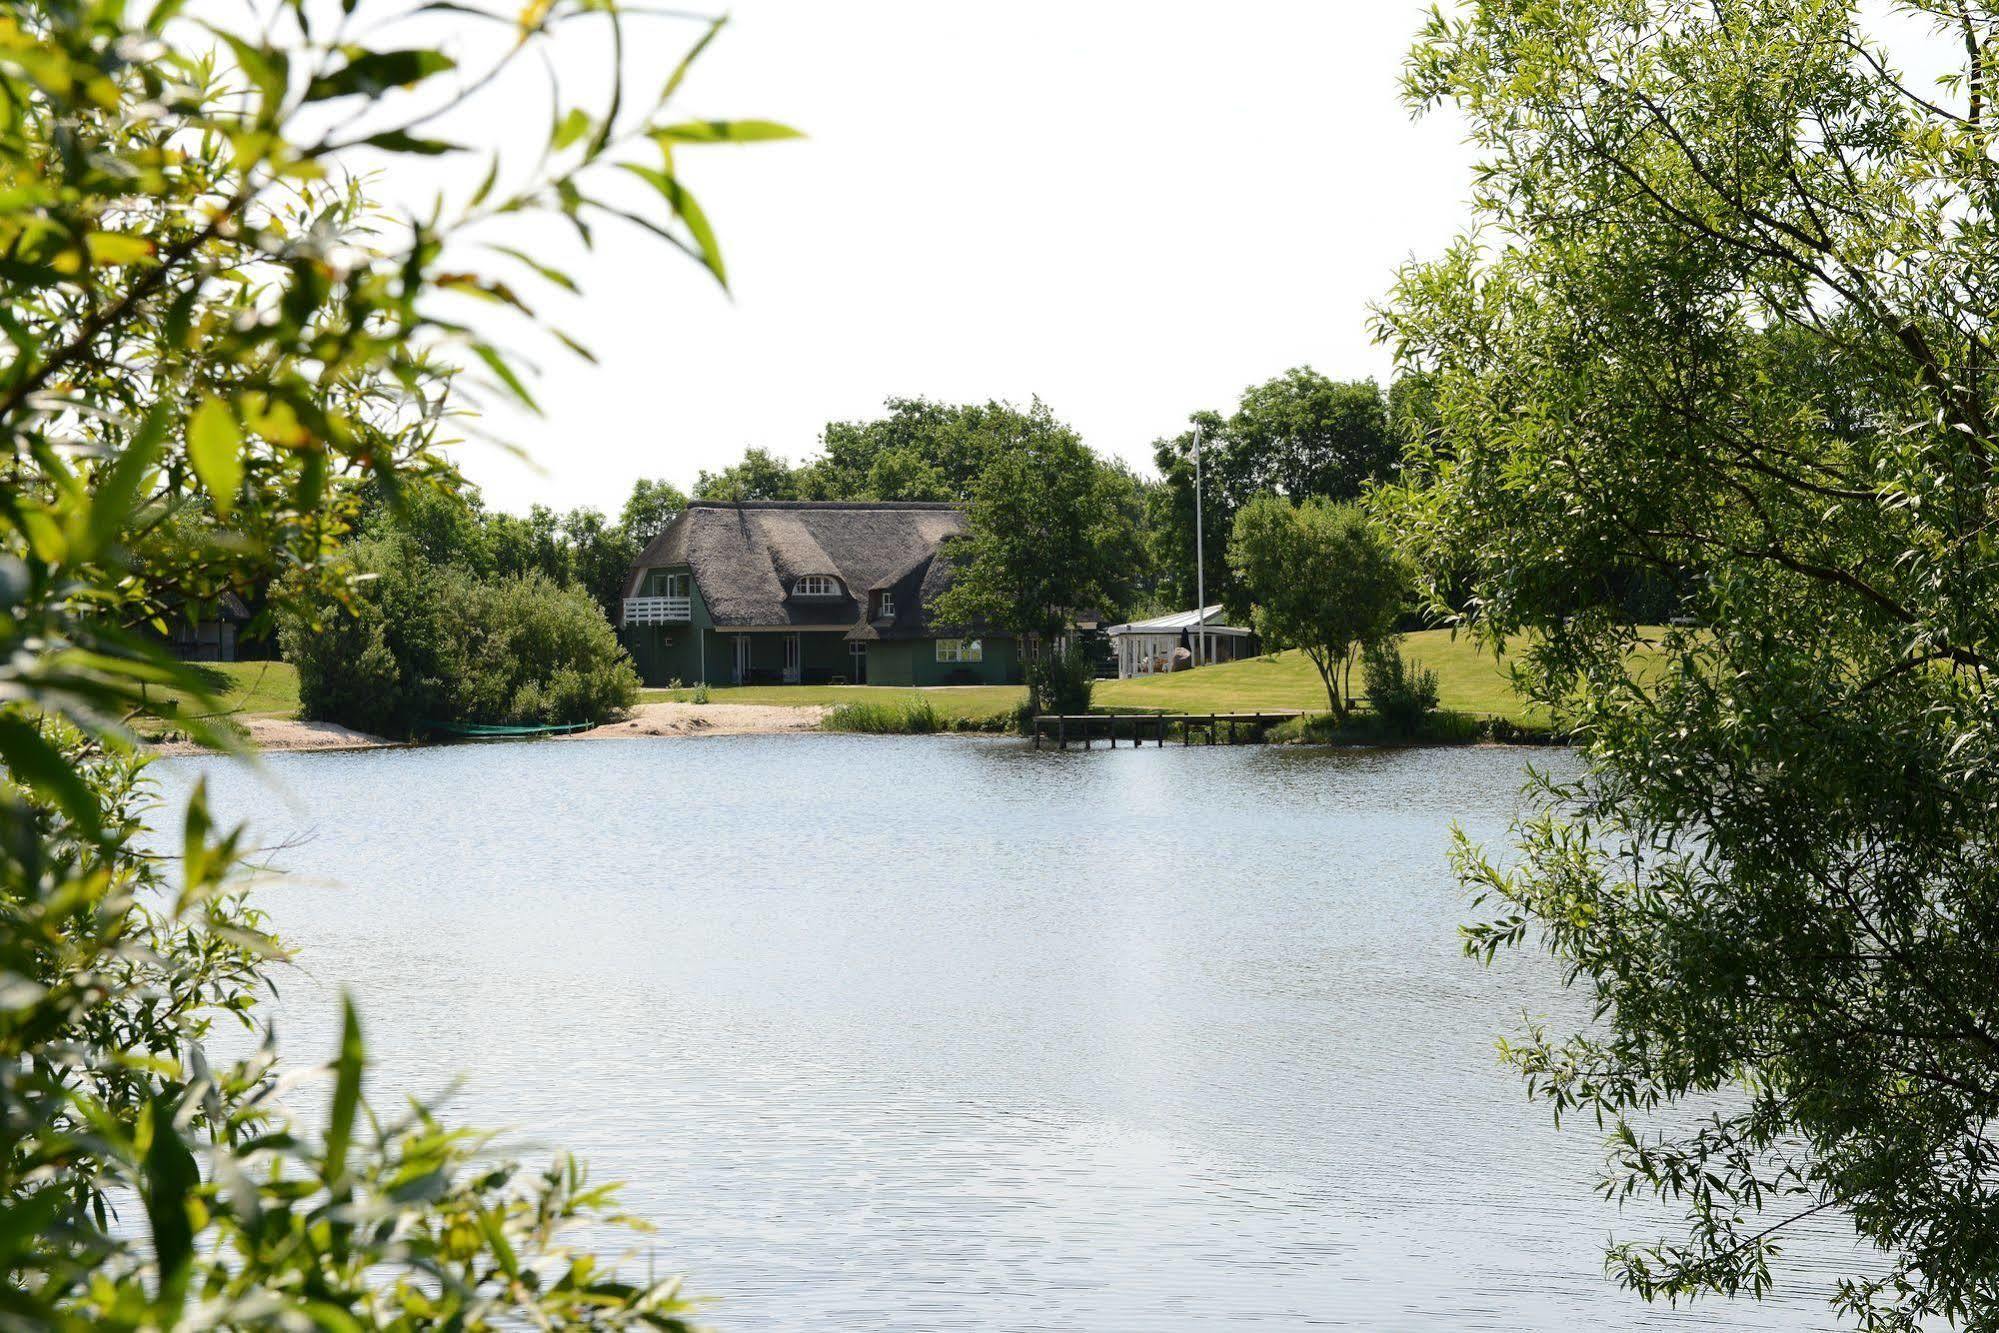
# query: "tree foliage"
{"type": "Point", "coordinates": [1401, 693]}
{"type": "Point", "coordinates": [210, 341]}
{"type": "Point", "coordinates": [1299, 434]}
{"type": "Point", "coordinates": [760, 475]}
{"type": "Point", "coordinates": [1727, 319]}
{"type": "Point", "coordinates": [1318, 577]}
{"type": "Point", "coordinates": [417, 642]}
{"type": "Point", "coordinates": [1083, 545]}
{"type": "Point", "coordinates": [916, 450]}
{"type": "Point", "coordinates": [648, 509]}
{"type": "Point", "coordinates": [451, 525]}
{"type": "Point", "coordinates": [1046, 535]}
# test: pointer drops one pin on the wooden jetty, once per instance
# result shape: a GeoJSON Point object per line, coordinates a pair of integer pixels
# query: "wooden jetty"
{"type": "Point", "coordinates": [1086, 728]}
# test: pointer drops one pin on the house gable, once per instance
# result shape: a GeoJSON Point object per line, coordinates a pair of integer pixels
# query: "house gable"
{"type": "Point", "coordinates": [747, 560]}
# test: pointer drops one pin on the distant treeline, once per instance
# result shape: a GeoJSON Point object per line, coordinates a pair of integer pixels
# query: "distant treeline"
{"type": "Point", "coordinates": [1300, 434]}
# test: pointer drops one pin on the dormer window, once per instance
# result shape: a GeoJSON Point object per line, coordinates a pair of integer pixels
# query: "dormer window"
{"type": "Point", "coordinates": [887, 611]}
{"type": "Point", "coordinates": [816, 585]}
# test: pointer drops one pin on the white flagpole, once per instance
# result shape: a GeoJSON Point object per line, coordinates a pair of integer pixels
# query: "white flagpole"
{"type": "Point", "coordinates": [1200, 562]}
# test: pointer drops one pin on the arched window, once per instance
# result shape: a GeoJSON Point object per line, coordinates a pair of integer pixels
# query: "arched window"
{"type": "Point", "coordinates": [816, 585]}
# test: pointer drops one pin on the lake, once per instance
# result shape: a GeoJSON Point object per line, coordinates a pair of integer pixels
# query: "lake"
{"type": "Point", "coordinates": [945, 1033]}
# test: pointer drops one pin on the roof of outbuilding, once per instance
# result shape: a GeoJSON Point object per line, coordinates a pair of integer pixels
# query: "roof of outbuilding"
{"type": "Point", "coordinates": [747, 555]}
{"type": "Point", "coordinates": [1179, 620]}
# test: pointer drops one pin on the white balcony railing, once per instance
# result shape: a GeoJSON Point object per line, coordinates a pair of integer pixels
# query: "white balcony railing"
{"type": "Point", "coordinates": [658, 610]}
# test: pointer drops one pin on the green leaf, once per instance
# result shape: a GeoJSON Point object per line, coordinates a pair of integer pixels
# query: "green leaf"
{"type": "Point", "coordinates": [372, 72]}
{"type": "Point", "coordinates": [111, 248]}
{"type": "Point", "coordinates": [162, 14]}
{"type": "Point", "coordinates": [725, 131]}
{"type": "Point", "coordinates": [569, 129]}
{"type": "Point", "coordinates": [171, 1179]}
{"type": "Point", "coordinates": [679, 74]}
{"type": "Point", "coordinates": [551, 274]}
{"type": "Point", "coordinates": [399, 141]}
{"type": "Point", "coordinates": [493, 1223]}
{"type": "Point", "coordinates": [498, 365]}
{"type": "Point", "coordinates": [346, 1096]}
{"type": "Point", "coordinates": [486, 185]}
{"type": "Point", "coordinates": [269, 69]}
{"type": "Point", "coordinates": [118, 490]}
{"type": "Point", "coordinates": [40, 767]}
{"type": "Point", "coordinates": [574, 346]}
{"type": "Point", "coordinates": [311, 480]}
{"type": "Point", "coordinates": [214, 447]}
{"type": "Point", "coordinates": [194, 857]}
{"type": "Point", "coordinates": [689, 212]}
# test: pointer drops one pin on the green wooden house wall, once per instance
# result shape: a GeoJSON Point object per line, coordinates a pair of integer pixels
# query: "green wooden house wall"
{"type": "Point", "coordinates": [667, 653]}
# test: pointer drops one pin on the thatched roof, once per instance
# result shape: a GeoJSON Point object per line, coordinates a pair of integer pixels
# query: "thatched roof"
{"type": "Point", "coordinates": [746, 557]}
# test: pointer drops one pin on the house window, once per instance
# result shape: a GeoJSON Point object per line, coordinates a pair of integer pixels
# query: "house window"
{"type": "Point", "coordinates": [888, 606]}
{"type": "Point", "coordinates": [816, 585]}
{"type": "Point", "coordinates": [961, 650]}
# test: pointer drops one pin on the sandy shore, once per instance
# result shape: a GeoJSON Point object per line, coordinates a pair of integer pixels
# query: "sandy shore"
{"type": "Point", "coordinates": [674, 719]}
{"type": "Point", "coordinates": [285, 733]}
{"type": "Point", "coordinates": [275, 734]}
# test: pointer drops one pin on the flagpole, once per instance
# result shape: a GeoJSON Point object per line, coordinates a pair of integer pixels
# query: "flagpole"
{"type": "Point", "coordinates": [1200, 562]}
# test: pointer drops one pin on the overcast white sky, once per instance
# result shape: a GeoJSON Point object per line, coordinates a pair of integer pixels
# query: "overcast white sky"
{"type": "Point", "coordinates": [1131, 209]}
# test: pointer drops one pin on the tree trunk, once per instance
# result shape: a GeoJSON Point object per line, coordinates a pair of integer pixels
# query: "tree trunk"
{"type": "Point", "coordinates": [1329, 676]}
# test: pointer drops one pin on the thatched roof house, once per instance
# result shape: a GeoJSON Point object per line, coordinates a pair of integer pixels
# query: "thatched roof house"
{"type": "Point", "coordinates": [804, 592]}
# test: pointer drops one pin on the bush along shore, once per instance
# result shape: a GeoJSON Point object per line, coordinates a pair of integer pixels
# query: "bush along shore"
{"type": "Point", "coordinates": [262, 702]}
{"type": "Point", "coordinates": [1126, 726]}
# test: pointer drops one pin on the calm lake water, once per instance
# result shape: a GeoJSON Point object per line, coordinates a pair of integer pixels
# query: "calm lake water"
{"type": "Point", "coordinates": [947, 1034]}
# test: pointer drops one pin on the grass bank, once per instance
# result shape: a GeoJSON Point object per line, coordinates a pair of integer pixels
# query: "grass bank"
{"type": "Point", "coordinates": [1468, 681]}
{"type": "Point", "coordinates": [955, 704]}
{"type": "Point", "coordinates": [1476, 697]}
{"type": "Point", "coordinates": [245, 689]}
{"type": "Point", "coordinates": [1443, 727]}
{"type": "Point", "coordinates": [874, 717]}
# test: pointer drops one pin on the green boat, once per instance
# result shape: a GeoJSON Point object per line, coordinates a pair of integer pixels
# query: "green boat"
{"type": "Point", "coordinates": [484, 731]}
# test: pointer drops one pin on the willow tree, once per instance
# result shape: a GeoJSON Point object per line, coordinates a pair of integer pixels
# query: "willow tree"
{"type": "Point", "coordinates": [211, 339]}
{"type": "Point", "coordinates": [1727, 317]}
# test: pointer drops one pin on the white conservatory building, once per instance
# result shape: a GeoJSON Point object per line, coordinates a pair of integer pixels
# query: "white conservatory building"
{"type": "Point", "coordinates": [1172, 643]}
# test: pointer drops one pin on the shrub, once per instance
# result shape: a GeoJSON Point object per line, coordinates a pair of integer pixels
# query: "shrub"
{"type": "Point", "coordinates": [372, 661]}
{"type": "Point", "coordinates": [917, 717]}
{"type": "Point", "coordinates": [417, 642]}
{"type": "Point", "coordinates": [528, 651]}
{"type": "Point", "coordinates": [1402, 694]}
{"type": "Point", "coordinates": [1060, 681]}
{"type": "Point", "coordinates": [699, 694]}
{"type": "Point", "coordinates": [1306, 729]}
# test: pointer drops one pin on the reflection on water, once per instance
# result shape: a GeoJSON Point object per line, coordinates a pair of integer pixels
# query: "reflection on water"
{"type": "Point", "coordinates": [950, 1034]}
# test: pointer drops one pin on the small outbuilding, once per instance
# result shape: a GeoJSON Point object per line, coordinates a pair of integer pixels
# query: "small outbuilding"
{"type": "Point", "coordinates": [1175, 642]}
{"type": "Point", "coordinates": [206, 632]}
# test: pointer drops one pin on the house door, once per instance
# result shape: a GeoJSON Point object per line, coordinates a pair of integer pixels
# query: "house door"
{"type": "Point", "coordinates": [791, 659]}
{"type": "Point", "coordinates": [857, 663]}
{"type": "Point", "coordinates": [742, 672]}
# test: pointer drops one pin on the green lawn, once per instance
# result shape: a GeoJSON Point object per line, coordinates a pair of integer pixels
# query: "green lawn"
{"type": "Point", "coordinates": [1469, 682]}
{"type": "Point", "coordinates": [954, 701]}
{"type": "Point", "coordinates": [258, 689]}
{"type": "Point", "coordinates": [246, 689]}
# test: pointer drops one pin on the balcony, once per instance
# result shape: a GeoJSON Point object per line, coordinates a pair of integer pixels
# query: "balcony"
{"type": "Point", "coordinates": [658, 610]}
